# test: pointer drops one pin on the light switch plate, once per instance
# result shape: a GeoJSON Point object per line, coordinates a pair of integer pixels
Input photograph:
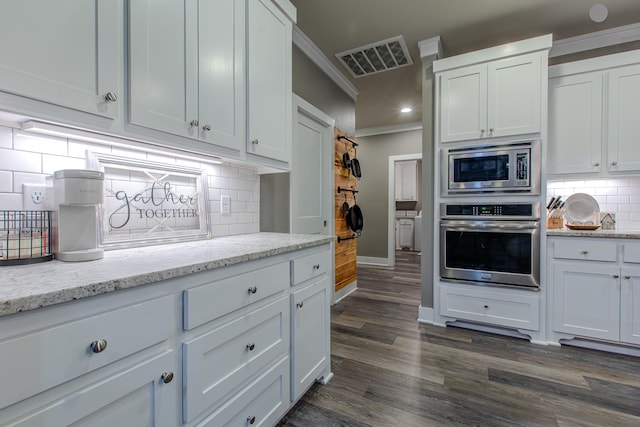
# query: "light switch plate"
{"type": "Point", "coordinates": [33, 197]}
{"type": "Point", "coordinates": [225, 205]}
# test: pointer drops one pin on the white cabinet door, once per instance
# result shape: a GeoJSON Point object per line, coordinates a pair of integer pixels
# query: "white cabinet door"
{"type": "Point", "coordinates": [514, 96]}
{"type": "Point", "coordinates": [269, 81]}
{"type": "Point", "coordinates": [575, 124]}
{"type": "Point", "coordinates": [63, 52]}
{"type": "Point", "coordinates": [630, 306]}
{"type": "Point", "coordinates": [405, 231]}
{"type": "Point", "coordinates": [221, 77]}
{"type": "Point", "coordinates": [136, 396]}
{"type": "Point", "coordinates": [463, 109]}
{"type": "Point", "coordinates": [406, 181]}
{"type": "Point", "coordinates": [162, 73]}
{"type": "Point", "coordinates": [586, 300]}
{"type": "Point", "coordinates": [310, 335]}
{"type": "Point", "coordinates": [624, 122]}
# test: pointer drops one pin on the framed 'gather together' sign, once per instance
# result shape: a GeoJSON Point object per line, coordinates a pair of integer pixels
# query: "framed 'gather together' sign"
{"type": "Point", "coordinates": [147, 203]}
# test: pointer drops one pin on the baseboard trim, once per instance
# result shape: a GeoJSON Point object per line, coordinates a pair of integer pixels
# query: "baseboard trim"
{"type": "Point", "coordinates": [373, 261]}
{"type": "Point", "coordinates": [601, 346]}
{"type": "Point", "coordinates": [344, 292]}
{"type": "Point", "coordinates": [426, 315]}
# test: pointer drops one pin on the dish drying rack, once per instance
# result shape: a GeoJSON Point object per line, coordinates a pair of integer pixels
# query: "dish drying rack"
{"type": "Point", "coordinates": [25, 237]}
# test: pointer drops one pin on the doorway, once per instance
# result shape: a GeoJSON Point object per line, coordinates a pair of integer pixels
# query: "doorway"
{"type": "Point", "coordinates": [404, 204]}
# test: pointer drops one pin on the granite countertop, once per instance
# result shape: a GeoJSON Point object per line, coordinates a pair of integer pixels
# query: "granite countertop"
{"type": "Point", "coordinates": [27, 287]}
{"type": "Point", "coordinates": [618, 234]}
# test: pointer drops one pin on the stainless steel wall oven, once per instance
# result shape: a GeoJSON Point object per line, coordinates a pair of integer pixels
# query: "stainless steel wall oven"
{"type": "Point", "coordinates": [491, 244]}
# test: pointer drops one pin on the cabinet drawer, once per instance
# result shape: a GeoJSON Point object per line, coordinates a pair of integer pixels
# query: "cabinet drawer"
{"type": "Point", "coordinates": [38, 361]}
{"type": "Point", "coordinates": [493, 307]}
{"type": "Point", "coordinates": [631, 253]}
{"type": "Point", "coordinates": [133, 397]}
{"type": "Point", "coordinates": [208, 302]}
{"type": "Point", "coordinates": [585, 250]}
{"type": "Point", "coordinates": [219, 362]}
{"type": "Point", "coordinates": [263, 401]}
{"type": "Point", "coordinates": [307, 267]}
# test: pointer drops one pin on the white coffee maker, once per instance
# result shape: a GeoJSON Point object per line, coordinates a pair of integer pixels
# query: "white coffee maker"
{"type": "Point", "coordinates": [78, 194]}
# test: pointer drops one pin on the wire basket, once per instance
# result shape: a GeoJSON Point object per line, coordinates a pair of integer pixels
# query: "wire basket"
{"type": "Point", "coordinates": [25, 237]}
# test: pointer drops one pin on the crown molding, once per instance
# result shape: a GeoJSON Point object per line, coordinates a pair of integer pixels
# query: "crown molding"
{"type": "Point", "coordinates": [430, 47]}
{"type": "Point", "coordinates": [308, 47]}
{"type": "Point", "coordinates": [382, 130]}
{"type": "Point", "coordinates": [595, 40]}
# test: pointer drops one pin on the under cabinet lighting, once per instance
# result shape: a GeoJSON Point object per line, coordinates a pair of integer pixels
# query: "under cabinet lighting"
{"type": "Point", "coordinates": [97, 138]}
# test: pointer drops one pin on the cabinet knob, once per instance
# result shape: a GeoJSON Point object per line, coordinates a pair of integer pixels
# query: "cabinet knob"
{"type": "Point", "coordinates": [490, 131]}
{"type": "Point", "coordinates": [206, 127]}
{"type": "Point", "coordinates": [486, 306]}
{"type": "Point", "coordinates": [252, 290]}
{"type": "Point", "coordinates": [255, 142]}
{"type": "Point", "coordinates": [300, 304]}
{"type": "Point", "coordinates": [614, 163]}
{"type": "Point", "coordinates": [110, 97]}
{"type": "Point", "coordinates": [251, 346]}
{"type": "Point", "coordinates": [481, 132]}
{"type": "Point", "coordinates": [596, 164]}
{"type": "Point", "coordinates": [627, 277]}
{"type": "Point", "coordinates": [316, 267]}
{"type": "Point", "coordinates": [98, 346]}
{"type": "Point", "coordinates": [251, 419]}
{"type": "Point", "coordinates": [616, 276]}
{"type": "Point", "coordinates": [584, 252]}
{"type": "Point", "coordinates": [167, 377]}
{"type": "Point", "coordinates": [195, 123]}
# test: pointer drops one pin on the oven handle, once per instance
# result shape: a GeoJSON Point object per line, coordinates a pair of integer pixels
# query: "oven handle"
{"type": "Point", "coordinates": [471, 226]}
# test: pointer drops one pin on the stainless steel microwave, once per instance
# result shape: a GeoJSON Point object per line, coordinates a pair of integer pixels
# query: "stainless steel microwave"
{"type": "Point", "coordinates": [507, 168]}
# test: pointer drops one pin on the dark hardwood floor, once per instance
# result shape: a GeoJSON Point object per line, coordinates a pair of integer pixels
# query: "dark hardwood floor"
{"type": "Point", "coordinates": [391, 371]}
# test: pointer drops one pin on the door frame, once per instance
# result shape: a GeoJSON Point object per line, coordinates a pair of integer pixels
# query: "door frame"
{"type": "Point", "coordinates": [300, 106]}
{"type": "Point", "coordinates": [391, 230]}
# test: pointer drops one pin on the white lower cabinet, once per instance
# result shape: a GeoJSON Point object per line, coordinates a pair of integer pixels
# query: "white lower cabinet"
{"type": "Point", "coordinates": [594, 289]}
{"type": "Point", "coordinates": [234, 346]}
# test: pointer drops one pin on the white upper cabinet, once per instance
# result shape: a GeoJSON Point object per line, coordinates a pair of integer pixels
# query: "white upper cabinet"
{"type": "Point", "coordinates": [575, 125]}
{"type": "Point", "coordinates": [186, 68]}
{"type": "Point", "coordinates": [66, 53]}
{"type": "Point", "coordinates": [623, 144]}
{"type": "Point", "coordinates": [269, 81]}
{"type": "Point", "coordinates": [493, 99]}
{"type": "Point", "coordinates": [593, 116]}
{"type": "Point", "coordinates": [406, 181]}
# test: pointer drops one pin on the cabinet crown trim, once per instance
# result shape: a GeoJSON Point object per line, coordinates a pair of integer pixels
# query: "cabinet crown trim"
{"type": "Point", "coordinates": [601, 63]}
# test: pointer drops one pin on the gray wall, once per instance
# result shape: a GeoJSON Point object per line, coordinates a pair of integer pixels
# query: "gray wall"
{"type": "Point", "coordinates": [373, 154]}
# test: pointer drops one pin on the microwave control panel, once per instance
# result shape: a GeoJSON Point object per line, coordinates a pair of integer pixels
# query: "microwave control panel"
{"type": "Point", "coordinates": [522, 167]}
{"type": "Point", "coordinates": [513, 210]}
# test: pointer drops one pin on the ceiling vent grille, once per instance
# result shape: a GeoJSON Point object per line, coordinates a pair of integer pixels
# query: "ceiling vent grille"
{"type": "Point", "coordinates": [376, 57]}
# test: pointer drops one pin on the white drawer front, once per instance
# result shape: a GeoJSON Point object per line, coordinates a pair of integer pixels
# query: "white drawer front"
{"type": "Point", "coordinates": [631, 253]}
{"type": "Point", "coordinates": [263, 401]}
{"type": "Point", "coordinates": [220, 361]}
{"type": "Point", "coordinates": [516, 311]}
{"type": "Point", "coordinates": [116, 401]}
{"type": "Point", "coordinates": [208, 302]}
{"type": "Point", "coordinates": [585, 250]}
{"type": "Point", "coordinates": [36, 362]}
{"type": "Point", "coordinates": [310, 266]}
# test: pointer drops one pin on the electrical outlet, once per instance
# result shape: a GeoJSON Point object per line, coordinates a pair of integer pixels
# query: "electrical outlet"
{"type": "Point", "coordinates": [33, 197]}
{"type": "Point", "coordinates": [225, 205]}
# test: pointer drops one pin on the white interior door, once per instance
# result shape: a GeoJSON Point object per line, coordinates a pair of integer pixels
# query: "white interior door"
{"type": "Point", "coordinates": [311, 172]}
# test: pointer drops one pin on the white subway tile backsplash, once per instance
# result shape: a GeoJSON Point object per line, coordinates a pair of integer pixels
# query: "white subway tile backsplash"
{"type": "Point", "coordinates": [617, 182]}
{"type": "Point", "coordinates": [596, 183]}
{"type": "Point", "coordinates": [26, 158]}
{"type": "Point", "coordinates": [605, 191]}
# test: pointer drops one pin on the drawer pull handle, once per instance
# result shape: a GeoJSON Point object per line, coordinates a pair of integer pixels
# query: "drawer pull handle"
{"type": "Point", "coordinates": [251, 346]}
{"type": "Point", "coordinates": [316, 267]}
{"type": "Point", "coordinates": [486, 306]}
{"type": "Point", "coordinates": [98, 346]}
{"type": "Point", "coordinates": [253, 290]}
{"type": "Point", "coordinates": [251, 419]}
{"type": "Point", "coordinates": [584, 252]}
{"type": "Point", "coordinates": [615, 276]}
{"type": "Point", "coordinates": [167, 377]}
{"type": "Point", "coordinates": [627, 277]}
{"type": "Point", "coordinates": [300, 304]}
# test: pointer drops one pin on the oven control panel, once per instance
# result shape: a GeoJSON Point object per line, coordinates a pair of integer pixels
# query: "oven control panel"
{"type": "Point", "coordinates": [519, 210]}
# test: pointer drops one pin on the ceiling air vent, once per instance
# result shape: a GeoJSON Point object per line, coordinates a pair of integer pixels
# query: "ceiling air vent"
{"type": "Point", "coordinates": [376, 57]}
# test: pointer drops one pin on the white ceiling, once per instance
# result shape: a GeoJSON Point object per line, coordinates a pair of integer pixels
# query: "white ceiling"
{"type": "Point", "coordinates": [463, 26]}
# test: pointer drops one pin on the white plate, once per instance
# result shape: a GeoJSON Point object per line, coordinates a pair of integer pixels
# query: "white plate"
{"type": "Point", "coordinates": [580, 209]}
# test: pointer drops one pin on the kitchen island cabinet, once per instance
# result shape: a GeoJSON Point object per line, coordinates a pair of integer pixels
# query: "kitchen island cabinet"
{"type": "Point", "coordinates": [204, 340]}
{"type": "Point", "coordinates": [64, 53]}
{"type": "Point", "coordinates": [593, 113]}
{"type": "Point", "coordinates": [594, 289]}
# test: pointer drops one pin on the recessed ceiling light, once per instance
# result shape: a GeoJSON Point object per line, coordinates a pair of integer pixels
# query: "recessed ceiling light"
{"type": "Point", "coordinates": [598, 12]}
{"type": "Point", "coordinates": [406, 110]}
